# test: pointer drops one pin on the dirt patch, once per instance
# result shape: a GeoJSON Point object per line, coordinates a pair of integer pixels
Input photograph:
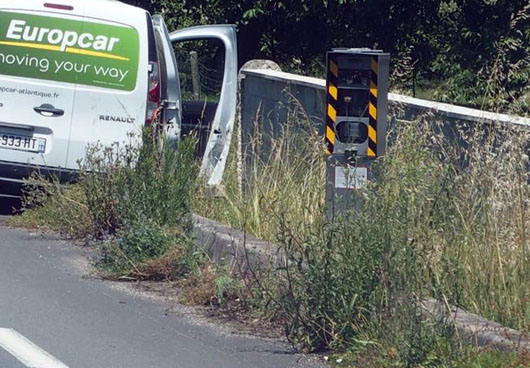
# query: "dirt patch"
{"type": "Point", "coordinates": [227, 320]}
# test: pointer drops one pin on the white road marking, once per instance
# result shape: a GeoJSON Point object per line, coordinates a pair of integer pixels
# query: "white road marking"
{"type": "Point", "coordinates": [27, 352]}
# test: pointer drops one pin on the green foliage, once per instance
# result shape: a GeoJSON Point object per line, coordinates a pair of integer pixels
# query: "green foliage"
{"type": "Point", "coordinates": [484, 55]}
{"type": "Point", "coordinates": [223, 285]}
{"type": "Point", "coordinates": [377, 356]}
{"type": "Point", "coordinates": [447, 218]}
{"type": "Point", "coordinates": [493, 359]}
{"type": "Point", "coordinates": [139, 195]}
{"type": "Point", "coordinates": [48, 205]}
{"type": "Point", "coordinates": [129, 185]}
{"type": "Point", "coordinates": [472, 52]}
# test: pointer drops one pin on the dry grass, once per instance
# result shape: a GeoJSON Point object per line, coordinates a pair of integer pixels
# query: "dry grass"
{"type": "Point", "coordinates": [458, 192]}
{"type": "Point", "coordinates": [200, 290]}
{"type": "Point", "coordinates": [282, 184]}
{"type": "Point", "coordinates": [47, 205]}
{"type": "Point", "coordinates": [486, 222]}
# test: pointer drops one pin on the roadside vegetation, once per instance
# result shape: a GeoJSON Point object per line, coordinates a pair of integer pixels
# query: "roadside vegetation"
{"type": "Point", "coordinates": [447, 218]}
{"type": "Point", "coordinates": [133, 200]}
{"type": "Point", "coordinates": [133, 203]}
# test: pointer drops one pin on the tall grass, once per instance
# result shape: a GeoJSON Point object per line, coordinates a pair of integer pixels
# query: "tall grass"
{"type": "Point", "coordinates": [283, 183]}
{"type": "Point", "coordinates": [447, 218]}
{"type": "Point", "coordinates": [48, 205]}
{"type": "Point", "coordinates": [484, 243]}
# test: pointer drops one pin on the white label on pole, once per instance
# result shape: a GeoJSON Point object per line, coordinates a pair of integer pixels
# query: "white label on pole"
{"type": "Point", "coordinates": [351, 177]}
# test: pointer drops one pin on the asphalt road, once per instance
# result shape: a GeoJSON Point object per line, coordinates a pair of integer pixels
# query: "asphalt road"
{"type": "Point", "coordinates": [83, 322]}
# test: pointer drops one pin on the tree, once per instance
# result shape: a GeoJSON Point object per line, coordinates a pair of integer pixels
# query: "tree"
{"type": "Point", "coordinates": [456, 46]}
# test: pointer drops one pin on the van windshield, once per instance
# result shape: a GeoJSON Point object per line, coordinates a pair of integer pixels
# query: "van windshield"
{"type": "Point", "coordinates": [70, 51]}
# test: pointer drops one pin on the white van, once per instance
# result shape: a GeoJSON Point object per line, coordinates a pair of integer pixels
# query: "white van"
{"type": "Point", "coordinates": [74, 72]}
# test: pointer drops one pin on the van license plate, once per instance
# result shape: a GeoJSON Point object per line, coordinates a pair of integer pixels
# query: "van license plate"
{"type": "Point", "coordinates": [22, 143]}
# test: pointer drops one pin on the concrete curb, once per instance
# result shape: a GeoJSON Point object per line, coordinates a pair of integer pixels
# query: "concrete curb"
{"type": "Point", "coordinates": [477, 330]}
{"type": "Point", "coordinates": [227, 245]}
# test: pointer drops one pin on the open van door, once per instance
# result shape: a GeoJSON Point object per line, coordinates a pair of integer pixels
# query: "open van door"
{"type": "Point", "coordinates": [170, 96]}
{"type": "Point", "coordinates": [216, 118]}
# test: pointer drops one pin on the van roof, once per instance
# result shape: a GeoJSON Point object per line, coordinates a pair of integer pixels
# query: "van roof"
{"type": "Point", "coordinates": [114, 1]}
{"type": "Point", "coordinates": [115, 7]}
{"type": "Point", "coordinates": [121, 3]}
{"type": "Point", "coordinates": [91, 2]}
{"type": "Point", "coordinates": [117, 1]}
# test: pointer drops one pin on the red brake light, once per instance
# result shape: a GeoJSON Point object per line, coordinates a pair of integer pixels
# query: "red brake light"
{"type": "Point", "coordinates": [154, 93]}
{"type": "Point", "coordinates": [153, 99]}
{"type": "Point", "coordinates": [58, 6]}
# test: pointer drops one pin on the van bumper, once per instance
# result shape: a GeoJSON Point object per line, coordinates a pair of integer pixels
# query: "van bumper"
{"type": "Point", "coordinates": [13, 176]}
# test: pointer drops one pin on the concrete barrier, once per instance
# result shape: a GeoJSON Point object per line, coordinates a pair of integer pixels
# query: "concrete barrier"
{"type": "Point", "coordinates": [226, 245]}
{"type": "Point", "coordinates": [267, 96]}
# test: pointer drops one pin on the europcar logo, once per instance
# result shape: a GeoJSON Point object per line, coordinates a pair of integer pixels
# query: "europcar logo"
{"type": "Point", "coordinates": [59, 40]}
{"type": "Point", "coordinates": [87, 52]}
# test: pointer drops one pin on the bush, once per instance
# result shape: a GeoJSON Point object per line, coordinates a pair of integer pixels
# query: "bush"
{"type": "Point", "coordinates": [128, 185]}
{"type": "Point", "coordinates": [139, 196]}
{"type": "Point", "coordinates": [133, 198]}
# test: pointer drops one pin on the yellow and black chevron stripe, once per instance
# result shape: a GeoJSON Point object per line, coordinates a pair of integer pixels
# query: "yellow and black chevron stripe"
{"type": "Point", "coordinates": [372, 110]}
{"type": "Point", "coordinates": [332, 95]}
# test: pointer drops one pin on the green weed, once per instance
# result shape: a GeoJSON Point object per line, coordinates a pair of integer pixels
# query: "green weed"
{"type": "Point", "coordinates": [48, 205]}
{"type": "Point", "coordinates": [446, 218]}
{"type": "Point", "coordinates": [132, 198]}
